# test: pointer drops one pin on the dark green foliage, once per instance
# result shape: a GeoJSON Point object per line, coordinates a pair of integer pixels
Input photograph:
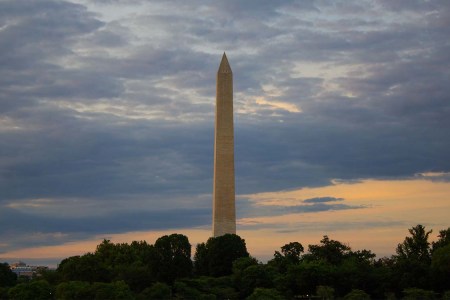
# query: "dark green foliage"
{"type": "Point", "coordinates": [135, 264]}
{"type": "Point", "coordinates": [325, 292]}
{"type": "Point", "coordinates": [223, 251]}
{"type": "Point", "coordinates": [290, 255]}
{"type": "Point", "coordinates": [216, 257]}
{"type": "Point", "coordinates": [242, 263]}
{"type": "Point", "coordinates": [240, 266]}
{"type": "Point", "coordinates": [35, 290]}
{"type": "Point", "coordinates": [356, 270]}
{"type": "Point", "coordinates": [209, 287]}
{"type": "Point", "coordinates": [265, 294]}
{"type": "Point", "coordinates": [76, 290]}
{"type": "Point", "coordinates": [415, 247]}
{"type": "Point", "coordinates": [173, 257]}
{"type": "Point", "coordinates": [183, 291]}
{"type": "Point", "coordinates": [440, 262]}
{"type": "Point", "coordinates": [201, 263]}
{"type": "Point", "coordinates": [304, 278]}
{"type": "Point", "coordinates": [330, 251]}
{"type": "Point", "coordinates": [446, 295]}
{"type": "Point", "coordinates": [115, 290]}
{"type": "Point", "coordinates": [440, 268]}
{"type": "Point", "coordinates": [329, 263]}
{"type": "Point", "coordinates": [444, 239]}
{"type": "Point", "coordinates": [4, 292]}
{"type": "Point", "coordinates": [255, 276]}
{"type": "Point", "coordinates": [283, 286]}
{"type": "Point", "coordinates": [158, 291]}
{"type": "Point", "coordinates": [7, 277]}
{"type": "Point", "coordinates": [88, 267]}
{"type": "Point", "coordinates": [136, 275]}
{"type": "Point", "coordinates": [383, 273]}
{"type": "Point", "coordinates": [357, 295]}
{"type": "Point", "coordinates": [418, 294]}
{"type": "Point", "coordinates": [292, 252]}
{"type": "Point", "coordinates": [413, 259]}
{"type": "Point", "coordinates": [51, 276]}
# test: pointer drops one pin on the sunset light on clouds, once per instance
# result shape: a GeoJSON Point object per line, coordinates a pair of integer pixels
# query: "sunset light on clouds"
{"type": "Point", "coordinates": [107, 122]}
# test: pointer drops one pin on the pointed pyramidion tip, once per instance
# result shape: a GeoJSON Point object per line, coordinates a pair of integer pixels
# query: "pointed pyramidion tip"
{"type": "Point", "coordinates": [224, 65]}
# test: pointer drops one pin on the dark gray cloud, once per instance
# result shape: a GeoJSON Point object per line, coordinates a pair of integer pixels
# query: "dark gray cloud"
{"type": "Point", "coordinates": [56, 230]}
{"type": "Point", "coordinates": [36, 32]}
{"type": "Point", "coordinates": [110, 101]}
{"type": "Point", "coordinates": [247, 208]}
{"type": "Point", "coordinates": [110, 161]}
{"type": "Point", "coordinates": [322, 200]}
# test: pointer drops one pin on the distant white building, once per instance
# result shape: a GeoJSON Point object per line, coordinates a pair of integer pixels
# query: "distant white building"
{"type": "Point", "coordinates": [22, 269]}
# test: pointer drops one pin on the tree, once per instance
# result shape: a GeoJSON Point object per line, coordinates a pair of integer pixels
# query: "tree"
{"type": "Point", "coordinates": [330, 251]}
{"type": "Point", "coordinates": [219, 253]}
{"type": "Point", "coordinates": [143, 252]}
{"type": "Point", "coordinates": [74, 290]}
{"type": "Point", "coordinates": [413, 259]}
{"type": "Point", "coordinates": [4, 292]}
{"type": "Point", "coordinates": [137, 275]}
{"type": "Point", "coordinates": [446, 295]}
{"type": "Point", "coordinates": [106, 252]}
{"type": "Point", "coordinates": [183, 291]}
{"type": "Point", "coordinates": [158, 291]}
{"type": "Point", "coordinates": [84, 268]}
{"type": "Point", "coordinates": [357, 295]}
{"type": "Point", "coordinates": [440, 266]}
{"type": "Point", "coordinates": [35, 290]}
{"type": "Point", "coordinates": [134, 263]}
{"type": "Point", "coordinates": [115, 290]}
{"type": "Point", "coordinates": [325, 292]}
{"type": "Point", "coordinates": [255, 276]}
{"type": "Point", "coordinates": [383, 277]}
{"type": "Point", "coordinates": [265, 294]}
{"type": "Point", "coordinates": [201, 263]}
{"type": "Point", "coordinates": [363, 256]}
{"type": "Point", "coordinates": [306, 276]}
{"type": "Point", "coordinates": [209, 287]}
{"type": "Point", "coordinates": [7, 277]}
{"type": "Point", "coordinates": [415, 293]}
{"type": "Point", "coordinates": [290, 254]}
{"type": "Point", "coordinates": [292, 251]}
{"type": "Point", "coordinates": [415, 247]}
{"type": "Point", "coordinates": [242, 263]}
{"type": "Point", "coordinates": [444, 239]}
{"type": "Point", "coordinates": [356, 270]}
{"type": "Point", "coordinates": [51, 276]}
{"type": "Point", "coordinates": [173, 254]}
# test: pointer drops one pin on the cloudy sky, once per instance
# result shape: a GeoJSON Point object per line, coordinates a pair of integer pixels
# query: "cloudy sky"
{"type": "Point", "coordinates": [342, 121]}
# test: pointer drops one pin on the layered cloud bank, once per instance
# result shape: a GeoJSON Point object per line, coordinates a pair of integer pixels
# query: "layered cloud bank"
{"type": "Point", "coordinates": [107, 109]}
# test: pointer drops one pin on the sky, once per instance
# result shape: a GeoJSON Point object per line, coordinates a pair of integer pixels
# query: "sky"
{"type": "Point", "coordinates": [342, 121]}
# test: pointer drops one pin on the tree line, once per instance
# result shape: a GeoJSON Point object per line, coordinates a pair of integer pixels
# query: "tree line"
{"type": "Point", "coordinates": [222, 268]}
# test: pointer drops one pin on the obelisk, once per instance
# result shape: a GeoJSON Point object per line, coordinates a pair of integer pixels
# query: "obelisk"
{"type": "Point", "coordinates": [224, 212]}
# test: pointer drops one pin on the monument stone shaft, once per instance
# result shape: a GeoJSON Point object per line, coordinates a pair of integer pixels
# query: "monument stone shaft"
{"type": "Point", "coordinates": [224, 212]}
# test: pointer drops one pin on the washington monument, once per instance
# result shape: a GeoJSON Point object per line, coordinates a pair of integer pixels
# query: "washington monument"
{"type": "Point", "coordinates": [224, 212]}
